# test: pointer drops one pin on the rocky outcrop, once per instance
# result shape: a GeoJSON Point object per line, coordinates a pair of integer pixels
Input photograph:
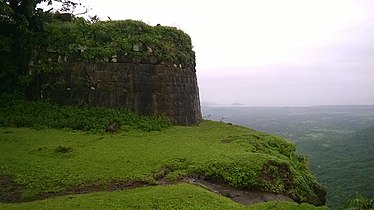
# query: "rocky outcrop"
{"type": "Point", "coordinates": [146, 88]}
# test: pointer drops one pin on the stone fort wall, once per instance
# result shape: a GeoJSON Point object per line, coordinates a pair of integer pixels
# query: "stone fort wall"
{"type": "Point", "coordinates": [146, 88]}
{"type": "Point", "coordinates": [148, 69]}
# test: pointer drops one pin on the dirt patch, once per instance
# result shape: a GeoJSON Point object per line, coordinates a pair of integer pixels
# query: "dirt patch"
{"type": "Point", "coordinates": [10, 192]}
{"type": "Point", "coordinates": [246, 197]}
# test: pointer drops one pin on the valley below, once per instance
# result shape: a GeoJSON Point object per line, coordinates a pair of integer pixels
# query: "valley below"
{"type": "Point", "coordinates": [337, 140]}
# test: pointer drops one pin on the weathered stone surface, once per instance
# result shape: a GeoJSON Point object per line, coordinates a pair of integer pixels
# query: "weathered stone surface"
{"type": "Point", "coordinates": [112, 127]}
{"type": "Point", "coordinates": [147, 89]}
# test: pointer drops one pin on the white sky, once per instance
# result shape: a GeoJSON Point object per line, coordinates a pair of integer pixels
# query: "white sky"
{"type": "Point", "coordinates": [269, 52]}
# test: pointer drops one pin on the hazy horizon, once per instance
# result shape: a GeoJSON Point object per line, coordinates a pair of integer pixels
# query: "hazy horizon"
{"type": "Point", "coordinates": [241, 105]}
{"type": "Point", "coordinates": [269, 52]}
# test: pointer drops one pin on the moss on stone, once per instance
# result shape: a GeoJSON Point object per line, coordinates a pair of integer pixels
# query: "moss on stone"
{"type": "Point", "coordinates": [111, 41]}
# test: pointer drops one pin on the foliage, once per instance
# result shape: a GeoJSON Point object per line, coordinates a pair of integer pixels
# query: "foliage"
{"type": "Point", "coordinates": [134, 155]}
{"type": "Point", "coordinates": [18, 112]}
{"type": "Point", "coordinates": [269, 164]}
{"type": "Point", "coordinates": [100, 41]}
{"type": "Point", "coordinates": [181, 196]}
{"type": "Point", "coordinates": [359, 202]}
{"type": "Point", "coordinates": [21, 23]}
{"type": "Point", "coordinates": [284, 206]}
{"type": "Point", "coordinates": [349, 154]}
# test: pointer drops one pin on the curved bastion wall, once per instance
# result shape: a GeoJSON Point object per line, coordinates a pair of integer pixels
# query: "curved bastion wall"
{"type": "Point", "coordinates": [150, 70]}
{"type": "Point", "coordinates": [146, 88]}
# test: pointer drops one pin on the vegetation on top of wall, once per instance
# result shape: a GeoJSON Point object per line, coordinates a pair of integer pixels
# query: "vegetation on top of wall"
{"type": "Point", "coordinates": [110, 41]}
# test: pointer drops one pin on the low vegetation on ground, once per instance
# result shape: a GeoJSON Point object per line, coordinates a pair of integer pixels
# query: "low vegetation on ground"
{"type": "Point", "coordinates": [41, 161]}
{"type": "Point", "coordinates": [180, 196]}
{"type": "Point", "coordinates": [16, 111]}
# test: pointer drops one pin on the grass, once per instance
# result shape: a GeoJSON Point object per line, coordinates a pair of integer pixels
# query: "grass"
{"type": "Point", "coordinates": [51, 160]}
{"type": "Point", "coordinates": [181, 196]}
{"type": "Point", "coordinates": [15, 111]}
{"type": "Point", "coordinates": [49, 150]}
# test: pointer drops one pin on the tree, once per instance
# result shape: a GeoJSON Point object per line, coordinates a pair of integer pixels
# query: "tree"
{"type": "Point", "coordinates": [16, 22]}
{"type": "Point", "coordinates": [20, 21]}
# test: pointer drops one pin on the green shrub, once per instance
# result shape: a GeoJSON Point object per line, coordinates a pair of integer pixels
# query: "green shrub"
{"type": "Point", "coordinates": [359, 202]}
{"type": "Point", "coordinates": [18, 112]}
{"type": "Point", "coordinates": [101, 40]}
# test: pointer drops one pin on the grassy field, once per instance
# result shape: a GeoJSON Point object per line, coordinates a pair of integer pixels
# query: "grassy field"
{"type": "Point", "coordinates": [181, 196]}
{"type": "Point", "coordinates": [58, 161]}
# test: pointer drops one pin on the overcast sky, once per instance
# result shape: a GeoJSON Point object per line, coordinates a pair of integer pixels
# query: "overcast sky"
{"type": "Point", "coordinates": [269, 52]}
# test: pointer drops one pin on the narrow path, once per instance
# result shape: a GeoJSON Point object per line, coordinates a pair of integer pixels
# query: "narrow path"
{"type": "Point", "coordinates": [245, 197]}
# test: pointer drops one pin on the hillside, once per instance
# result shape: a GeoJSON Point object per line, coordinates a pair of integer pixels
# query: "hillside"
{"type": "Point", "coordinates": [181, 165]}
{"type": "Point", "coordinates": [337, 140]}
{"type": "Point", "coordinates": [349, 157]}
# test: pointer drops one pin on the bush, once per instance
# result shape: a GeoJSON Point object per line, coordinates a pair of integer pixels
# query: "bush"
{"type": "Point", "coordinates": [18, 112]}
{"type": "Point", "coordinates": [101, 40]}
{"type": "Point", "coordinates": [359, 202]}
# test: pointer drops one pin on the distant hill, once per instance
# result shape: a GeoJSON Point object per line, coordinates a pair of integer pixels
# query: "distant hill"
{"type": "Point", "coordinates": [237, 104]}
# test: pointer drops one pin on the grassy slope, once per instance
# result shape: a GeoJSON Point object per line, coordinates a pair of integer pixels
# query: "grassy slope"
{"type": "Point", "coordinates": [30, 157]}
{"type": "Point", "coordinates": [181, 196]}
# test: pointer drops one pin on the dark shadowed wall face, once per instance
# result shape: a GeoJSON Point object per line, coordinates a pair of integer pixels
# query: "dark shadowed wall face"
{"type": "Point", "coordinates": [148, 89]}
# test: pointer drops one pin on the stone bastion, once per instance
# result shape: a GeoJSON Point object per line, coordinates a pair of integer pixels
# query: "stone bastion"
{"type": "Point", "coordinates": [126, 64]}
